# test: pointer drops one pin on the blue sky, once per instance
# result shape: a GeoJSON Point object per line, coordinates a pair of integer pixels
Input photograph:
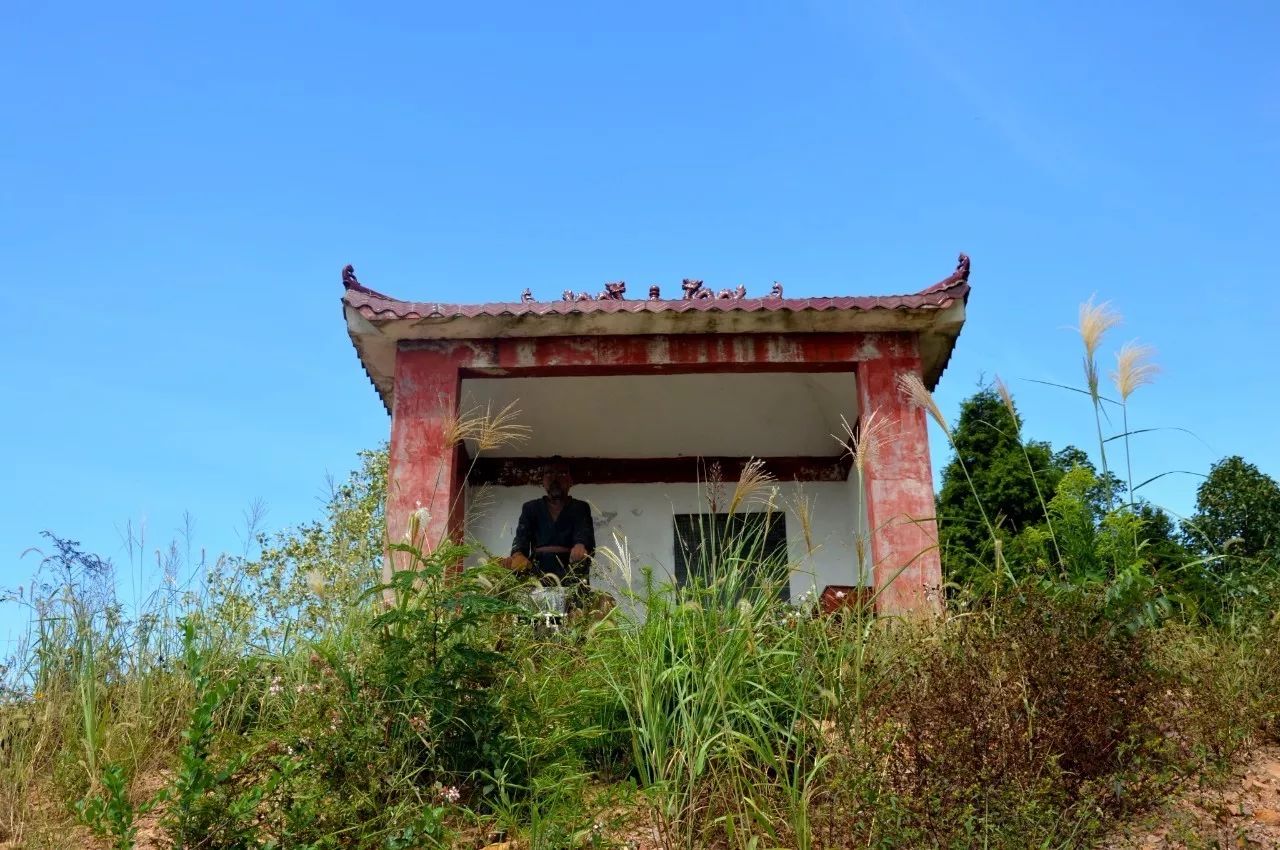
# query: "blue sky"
{"type": "Point", "coordinates": [180, 185]}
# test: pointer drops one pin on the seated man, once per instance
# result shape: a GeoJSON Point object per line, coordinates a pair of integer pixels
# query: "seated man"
{"type": "Point", "coordinates": [555, 535]}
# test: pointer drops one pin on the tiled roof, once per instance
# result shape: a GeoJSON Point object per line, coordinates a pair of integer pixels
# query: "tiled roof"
{"type": "Point", "coordinates": [375, 306]}
{"type": "Point", "coordinates": [377, 323]}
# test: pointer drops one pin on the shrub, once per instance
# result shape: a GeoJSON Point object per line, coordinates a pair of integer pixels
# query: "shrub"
{"type": "Point", "coordinates": [1011, 719]}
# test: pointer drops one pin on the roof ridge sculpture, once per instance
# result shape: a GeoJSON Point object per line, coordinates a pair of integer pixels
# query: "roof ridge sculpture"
{"type": "Point", "coordinates": [956, 278]}
{"type": "Point", "coordinates": [352, 283]}
{"type": "Point", "coordinates": [693, 290]}
{"type": "Point", "coordinates": [379, 324]}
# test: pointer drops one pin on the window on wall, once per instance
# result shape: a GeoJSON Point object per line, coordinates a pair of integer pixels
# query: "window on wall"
{"type": "Point", "coordinates": [705, 543]}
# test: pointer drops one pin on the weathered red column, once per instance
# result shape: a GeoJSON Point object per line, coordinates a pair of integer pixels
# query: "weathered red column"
{"type": "Point", "coordinates": [898, 486]}
{"type": "Point", "coordinates": [425, 469]}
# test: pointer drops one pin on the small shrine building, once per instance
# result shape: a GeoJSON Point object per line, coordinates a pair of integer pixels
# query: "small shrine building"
{"type": "Point", "coordinates": [644, 396]}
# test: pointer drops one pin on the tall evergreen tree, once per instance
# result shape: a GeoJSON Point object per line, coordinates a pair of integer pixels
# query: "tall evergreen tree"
{"type": "Point", "coordinates": [1000, 482]}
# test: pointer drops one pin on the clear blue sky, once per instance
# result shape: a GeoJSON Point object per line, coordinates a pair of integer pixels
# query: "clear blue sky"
{"type": "Point", "coordinates": [179, 187]}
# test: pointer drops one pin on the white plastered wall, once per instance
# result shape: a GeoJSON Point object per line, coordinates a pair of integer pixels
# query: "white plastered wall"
{"type": "Point", "coordinates": [641, 517]}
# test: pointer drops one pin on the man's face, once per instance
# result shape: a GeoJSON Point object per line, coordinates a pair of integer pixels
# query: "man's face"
{"type": "Point", "coordinates": [556, 481]}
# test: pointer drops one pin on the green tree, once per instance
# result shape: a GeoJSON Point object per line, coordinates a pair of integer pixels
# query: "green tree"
{"type": "Point", "coordinates": [1005, 472]}
{"type": "Point", "coordinates": [1237, 513]}
{"type": "Point", "coordinates": [308, 576]}
{"type": "Point", "coordinates": [1164, 549]}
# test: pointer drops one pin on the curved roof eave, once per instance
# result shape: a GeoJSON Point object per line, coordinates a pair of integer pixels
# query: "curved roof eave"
{"type": "Point", "coordinates": [377, 322]}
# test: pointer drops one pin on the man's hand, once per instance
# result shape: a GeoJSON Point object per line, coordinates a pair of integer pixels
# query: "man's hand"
{"type": "Point", "coordinates": [517, 562]}
{"type": "Point", "coordinates": [577, 553]}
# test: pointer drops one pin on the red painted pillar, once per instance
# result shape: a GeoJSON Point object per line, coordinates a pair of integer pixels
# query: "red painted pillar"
{"type": "Point", "coordinates": [425, 469]}
{"type": "Point", "coordinates": [898, 487]}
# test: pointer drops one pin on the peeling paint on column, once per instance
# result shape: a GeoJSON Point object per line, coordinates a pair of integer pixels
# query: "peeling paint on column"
{"type": "Point", "coordinates": [899, 493]}
{"type": "Point", "coordinates": [424, 469]}
{"type": "Point", "coordinates": [870, 348]}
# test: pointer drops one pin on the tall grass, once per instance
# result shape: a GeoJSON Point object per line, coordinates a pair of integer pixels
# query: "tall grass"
{"type": "Point", "coordinates": [91, 685]}
{"type": "Point", "coordinates": [731, 694]}
{"type": "Point", "coordinates": [745, 721]}
{"type": "Point", "coordinates": [698, 680]}
{"type": "Point", "coordinates": [1095, 321]}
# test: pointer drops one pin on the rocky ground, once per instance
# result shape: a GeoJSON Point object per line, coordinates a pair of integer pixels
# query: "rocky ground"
{"type": "Point", "coordinates": [1242, 812]}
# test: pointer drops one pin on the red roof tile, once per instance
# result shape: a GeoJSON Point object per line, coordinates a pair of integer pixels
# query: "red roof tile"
{"type": "Point", "coordinates": [376, 351]}
{"type": "Point", "coordinates": [375, 306]}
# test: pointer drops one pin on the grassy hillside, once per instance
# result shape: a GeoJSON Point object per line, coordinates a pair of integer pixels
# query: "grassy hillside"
{"type": "Point", "coordinates": [288, 700]}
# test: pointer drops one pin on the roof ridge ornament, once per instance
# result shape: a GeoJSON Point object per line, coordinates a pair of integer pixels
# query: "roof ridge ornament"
{"type": "Point", "coordinates": [614, 291]}
{"type": "Point", "coordinates": [351, 283]}
{"type": "Point", "coordinates": [349, 279]}
{"type": "Point", "coordinates": [693, 289]}
{"type": "Point", "coordinates": [956, 278]}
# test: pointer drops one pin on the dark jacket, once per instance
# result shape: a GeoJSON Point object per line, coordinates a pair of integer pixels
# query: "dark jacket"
{"type": "Point", "coordinates": [536, 528]}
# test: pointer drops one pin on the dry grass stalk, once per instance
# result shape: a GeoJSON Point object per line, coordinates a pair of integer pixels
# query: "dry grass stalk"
{"type": "Point", "coordinates": [755, 486]}
{"type": "Point", "coordinates": [489, 430]}
{"type": "Point", "coordinates": [1135, 367]}
{"type": "Point", "coordinates": [715, 486]}
{"type": "Point", "coordinates": [316, 582]}
{"type": "Point", "coordinates": [415, 528]}
{"type": "Point", "coordinates": [999, 554]}
{"type": "Point", "coordinates": [864, 443]}
{"type": "Point", "coordinates": [480, 500]}
{"type": "Point", "coordinates": [1005, 396]}
{"type": "Point", "coordinates": [849, 440]}
{"type": "Point", "coordinates": [862, 550]}
{"type": "Point", "coordinates": [1095, 321]}
{"type": "Point", "coordinates": [618, 556]}
{"type": "Point", "coordinates": [802, 506]}
{"type": "Point", "coordinates": [910, 385]}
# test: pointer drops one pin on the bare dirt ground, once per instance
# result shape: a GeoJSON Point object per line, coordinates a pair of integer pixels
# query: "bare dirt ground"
{"type": "Point", "coordinates": [1242, 812]}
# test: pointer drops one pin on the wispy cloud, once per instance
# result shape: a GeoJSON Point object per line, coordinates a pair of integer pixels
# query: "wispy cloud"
{"type": "Point", "coordinates": [947, 55]}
